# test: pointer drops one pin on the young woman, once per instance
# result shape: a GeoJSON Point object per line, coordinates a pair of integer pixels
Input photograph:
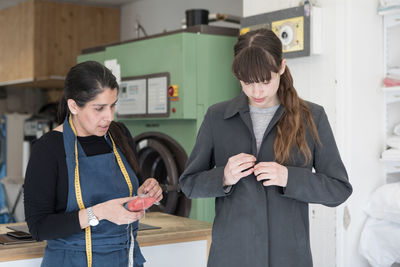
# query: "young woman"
{"type": "Point", "coordinates": [81, 174]}
{"type": "Point", "coordinates": [255, 154]}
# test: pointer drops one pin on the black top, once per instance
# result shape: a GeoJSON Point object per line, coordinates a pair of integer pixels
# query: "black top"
{"type": "Point", "coordinates": [46, 185]}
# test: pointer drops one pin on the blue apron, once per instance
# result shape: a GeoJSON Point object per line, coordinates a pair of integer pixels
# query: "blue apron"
{"type": "Point", "coordinates": [101, 179]}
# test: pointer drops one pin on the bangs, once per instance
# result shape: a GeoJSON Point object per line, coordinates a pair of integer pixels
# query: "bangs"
{"type": "Point", "coordinates": [254, 65]}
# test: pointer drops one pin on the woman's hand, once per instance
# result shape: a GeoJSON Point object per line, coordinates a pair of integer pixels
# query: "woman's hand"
{"type": "Point", "coordinates": [272, 172]}
{"type": "Point", "coordinates": [238, 166]}
{"type": "Point", "coordinates": [151, 188]}
{"type": "Point", "coordinates": [115, 212]}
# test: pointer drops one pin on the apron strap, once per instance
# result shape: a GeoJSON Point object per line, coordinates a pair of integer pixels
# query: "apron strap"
{"type": "Point", "coordinates": [121, 166]}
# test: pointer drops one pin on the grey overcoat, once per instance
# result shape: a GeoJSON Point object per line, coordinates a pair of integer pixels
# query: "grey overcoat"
{"type": "Point", "coordinates": [257, 226]}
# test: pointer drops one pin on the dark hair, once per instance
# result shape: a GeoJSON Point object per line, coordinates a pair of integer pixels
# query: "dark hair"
{"type": "Point", "coordinates": [257, 54]}
{"type": "Point", "coordinates": [83, 83]}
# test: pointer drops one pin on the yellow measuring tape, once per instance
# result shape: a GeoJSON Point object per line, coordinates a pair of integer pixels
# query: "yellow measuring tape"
{"type": "Point", "coordinates": [78, 191]}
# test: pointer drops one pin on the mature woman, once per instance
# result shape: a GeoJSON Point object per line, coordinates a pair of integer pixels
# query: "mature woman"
{"type": "Point", "coordinates": [81, 174]}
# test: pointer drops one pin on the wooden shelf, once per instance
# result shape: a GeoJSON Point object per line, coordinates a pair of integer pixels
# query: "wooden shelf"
{"type": "Point", "coordinates": [389, 10]}
{"type": "Point", "coordinates": [391, 159]}
{"type": "Point", "coordinates": [392, 94]}
{"type": "Point", "coordinates": [391, 89]}
{"type": "Point", "coordinates": [43, 82]}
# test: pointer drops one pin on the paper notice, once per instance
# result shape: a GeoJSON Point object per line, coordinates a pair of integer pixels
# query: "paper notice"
{"type": "Point", "coordinates": [115, 68]}
{"type": "Point", "coordinates": [157, 99]}
{"type": "Point", "coordinates": [132, 98]}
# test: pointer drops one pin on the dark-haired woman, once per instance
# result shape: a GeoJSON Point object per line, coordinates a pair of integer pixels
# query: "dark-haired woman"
{"type": "Point", "coordinates": [255, 155]}
{"type": "Point", "coordinates": [81, 174]}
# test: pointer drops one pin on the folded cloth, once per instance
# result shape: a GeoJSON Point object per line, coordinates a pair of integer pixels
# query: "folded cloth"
{"type": "Point", "coordinates": [396, 130]}
{"type": "Point", "coordinates": [393, 72]}
{"type": "Point", "coordinates": [389, 82]}
{"type": "Point", "coordinates": [391, 154]}
{"type": "Point", "coordinates": [380, 242]}
{"type": "Point", "coordinates": [384, 203]}
{"type": "Point", "coordinates": [386, 3]}
{"type": "Point", "coordinates": [393, 142]}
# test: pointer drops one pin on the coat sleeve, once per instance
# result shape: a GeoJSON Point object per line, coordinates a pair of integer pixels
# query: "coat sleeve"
{"type": "Point", "coordinates": [329, 184]}
{"type": "Point", "coordinates": [201, 178]}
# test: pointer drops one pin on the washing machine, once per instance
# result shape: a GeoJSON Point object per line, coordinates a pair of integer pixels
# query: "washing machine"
{"type": "Point", "coordinates": [167, 83]}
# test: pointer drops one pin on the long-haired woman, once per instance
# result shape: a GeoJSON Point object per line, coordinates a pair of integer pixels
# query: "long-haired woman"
{"type": "Point", "coordinates": [256, 154]}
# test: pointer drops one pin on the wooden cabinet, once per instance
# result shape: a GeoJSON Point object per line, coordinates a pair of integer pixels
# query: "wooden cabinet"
{"type": "Point", "coordinates": [40, 40]}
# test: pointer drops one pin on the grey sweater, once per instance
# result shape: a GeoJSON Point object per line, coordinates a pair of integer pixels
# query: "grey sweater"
{"type": "Point", "coordinates": [260, 117]}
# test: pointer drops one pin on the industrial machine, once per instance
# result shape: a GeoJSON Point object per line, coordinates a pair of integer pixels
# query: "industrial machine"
{"type": "Point", "coordinates": [298, 28]}
{"type": "Point", "coordinates": [35, 126]}
{"type": "Point", "coordinates": [167, 83]}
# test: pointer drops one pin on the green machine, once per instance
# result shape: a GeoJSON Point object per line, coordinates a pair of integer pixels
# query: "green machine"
{"type": "Point", "coordinates": [167, 83]}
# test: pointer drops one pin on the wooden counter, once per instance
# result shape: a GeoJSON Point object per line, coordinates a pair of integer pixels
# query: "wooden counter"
{"type": "Point", "coordinates": [173, 230]}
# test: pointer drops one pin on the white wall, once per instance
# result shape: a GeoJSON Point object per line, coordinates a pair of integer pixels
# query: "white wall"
{"type": "Point", "coordinates": [364, 64]}
{"type": "Point", "coordinates": [157, 16]}
{"type": "Point", "coordinates": [345, 79]}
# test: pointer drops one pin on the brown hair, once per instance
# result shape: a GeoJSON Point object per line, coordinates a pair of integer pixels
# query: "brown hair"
{"type": "Point", "coordinates": [257, 54]}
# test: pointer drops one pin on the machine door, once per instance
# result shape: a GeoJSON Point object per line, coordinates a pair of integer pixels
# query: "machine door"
{"type": "Point", "coordinates": [161, 157]}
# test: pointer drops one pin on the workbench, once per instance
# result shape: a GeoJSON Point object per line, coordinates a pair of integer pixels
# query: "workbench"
{"type": "Point", "coordinates": [179, 242]}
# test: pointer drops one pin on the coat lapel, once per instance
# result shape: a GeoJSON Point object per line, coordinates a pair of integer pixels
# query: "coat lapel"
{"type": "Point", "coordinates": [240, 105]}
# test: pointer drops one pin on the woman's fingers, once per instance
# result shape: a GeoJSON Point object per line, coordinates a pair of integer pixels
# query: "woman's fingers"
{"type": "Point", "coordinates": [159, 194]}
{"type": "Point", "coordinates": [136, 215]}
{"type": "Point", "coordinates": [246, 173]}
{"type": "Point", "coordinates": [237, 167]}
{"type": "Point", "coordinates": [274, 173]}
{"type": "Point", "coordinates": [151, 188]}
{"type": "Point", "coordinates": [150, 183]}
{"type": "Point", "coordinates": [242, 158]}
{"type": "Point", "coordinates": [242, 165]}
{"type": "Point", "coordinates": [263, 167]}
{"type": "Point", "coordinates": [123, 200]}
{"type": "Point", "coordinates": [269, 183]}
{"type": "Point", "coordinates": [265, 176]}
{"type": "Point", "coordinates": [147, 186]}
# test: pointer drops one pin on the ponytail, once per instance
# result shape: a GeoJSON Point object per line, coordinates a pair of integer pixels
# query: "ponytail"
{"type": "Point", "coordinates": [63, 110]}
{"type": "Point", "coordinates": [292, 126]}
{"type": "Point", "coordinates": [121, 140]}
